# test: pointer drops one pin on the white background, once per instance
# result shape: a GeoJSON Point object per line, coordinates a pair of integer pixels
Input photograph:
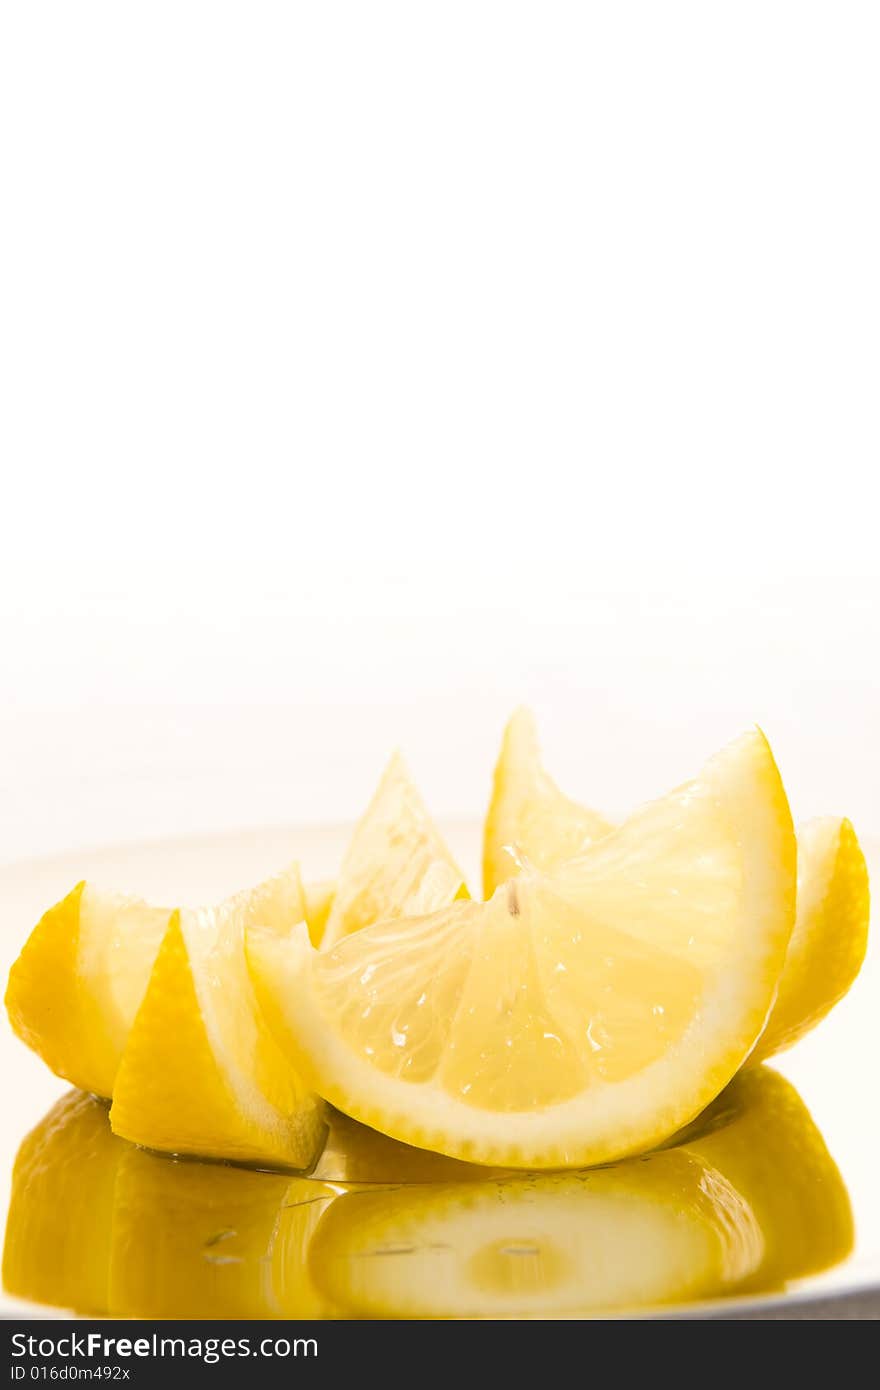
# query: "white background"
{"type": "Point", "coordinates": [367, 369]}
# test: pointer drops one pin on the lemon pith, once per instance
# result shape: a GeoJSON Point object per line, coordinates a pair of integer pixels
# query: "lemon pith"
{"type": "Point", "coordinates": [571, 1019]}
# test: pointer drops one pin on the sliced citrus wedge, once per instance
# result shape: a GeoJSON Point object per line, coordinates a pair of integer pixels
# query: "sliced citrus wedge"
{"type": "Point", "coordinates": [530, 819]}
{"type": "Point", "coordinates": [78, 982]}
{"type": "Point", "coordinates": [830, 933]}
{"type": "Point", "coordinates": [75, 988]}
{"type": "Point", "coordinates": [397, 863]}
{"type": "Point", "coordinates": [200, 1072]}
{"type": "Point", "coordinates": [571, 1019]}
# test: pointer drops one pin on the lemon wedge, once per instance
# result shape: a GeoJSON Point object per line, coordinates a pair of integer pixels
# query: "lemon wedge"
{"type": "Point", "coordinates": [830, 933]}
{"type": "Point", "coordinates": [571, 1019]}
{"type": "Point", "coordinates": [75, 988]}
{"type": "Point", "coordinates": [201, 1073]}
{"type": "Point", "coordinates": [397, 863]}
{"type": "Point", "coordinates": [79, 980]}
{"type": "Point", "coordinates": [530, 820]}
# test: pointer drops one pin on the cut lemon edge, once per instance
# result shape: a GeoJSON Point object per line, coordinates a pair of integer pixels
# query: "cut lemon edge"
{"type": "Point", "coordinates": [397, 864]}
{"type": "Point", "coordinates": [317, 1002]}
{"type": "Point", "coordinates": [201, 1072]}
{"type": "Point", "coordinates": [529, 818]}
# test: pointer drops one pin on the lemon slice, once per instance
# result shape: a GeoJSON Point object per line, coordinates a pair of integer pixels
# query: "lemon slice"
{"type": "Point", "coordinates": [830, 933]}
{"type": "Point", "coordinates": [572, 1019]}
{"type": "Point", "coordinates": [200, 1072]}
{"type": "Point", "coordinates": [397, 863]}
{"type": "Point", "coordinates": [79, 980]}
{"type": "Point", "coordinates": [530, 819]}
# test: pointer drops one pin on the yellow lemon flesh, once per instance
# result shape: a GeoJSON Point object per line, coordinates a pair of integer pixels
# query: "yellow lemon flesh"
{"type": "Point", "coordinates": [79, 980]}
{"type": "Point", "coordinates": [530, 820]}
{"type": "Point", "coordinates": [397, 863]}
{"type": "Point", "coordinates": [830, 933]}
{"type": "Point", "coordinates": [75, 988]}
{"type": "Point", "coordinates": [570, 1020]}
{"type": "Point", "coordinates": [201, 1073]}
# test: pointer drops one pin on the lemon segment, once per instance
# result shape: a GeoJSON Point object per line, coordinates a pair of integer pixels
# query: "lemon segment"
{"type": "Point", "coordinates": [529, 819]}
{"type": "Point", "coordinates": [572, 1019]}
{"type": "Point", "coordinates": [78, 982]}
{"type": "Point", "coordinates": [830, 935]}
{"type": "Point", "coordinates": [397, 863]}
{"type": "Point", "coordinates": [201, 1073]}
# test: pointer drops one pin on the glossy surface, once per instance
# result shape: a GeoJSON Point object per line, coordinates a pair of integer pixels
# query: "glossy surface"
{"type": "Point", "coordinates": [772, 1190]}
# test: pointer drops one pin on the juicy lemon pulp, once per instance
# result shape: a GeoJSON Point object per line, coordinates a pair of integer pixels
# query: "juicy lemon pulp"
{"type": "Point", "coordinates": [397, 863]}
{"type": "Point", "coordinates": [530, 819]}
{"type": "Point", "coordinates": [531, 823]}
{"type": "Point", "coordinates": [569, 1020]}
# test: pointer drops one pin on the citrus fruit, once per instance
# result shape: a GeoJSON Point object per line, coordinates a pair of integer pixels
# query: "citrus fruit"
{"type": "Point", "coordinates": [201, 1073]}
{"type": "Point", "coordinates": [830, 934]}
{"type": "Point", "coordinates": [573, 1018]}
{"type": "Point", "coordinates": [397, 863]}
{"type": "Point", "coordinates": [78, 982]}
{"type": "Point", "coordinates": [529, 819]}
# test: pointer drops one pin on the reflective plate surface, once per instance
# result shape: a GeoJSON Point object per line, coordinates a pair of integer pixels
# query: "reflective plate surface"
{"type": "Point", "coordinates": [768, 1201]}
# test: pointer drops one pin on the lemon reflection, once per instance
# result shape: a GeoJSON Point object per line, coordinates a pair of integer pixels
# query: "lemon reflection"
{"type": "Point", "coordinates": [744, 1201]}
